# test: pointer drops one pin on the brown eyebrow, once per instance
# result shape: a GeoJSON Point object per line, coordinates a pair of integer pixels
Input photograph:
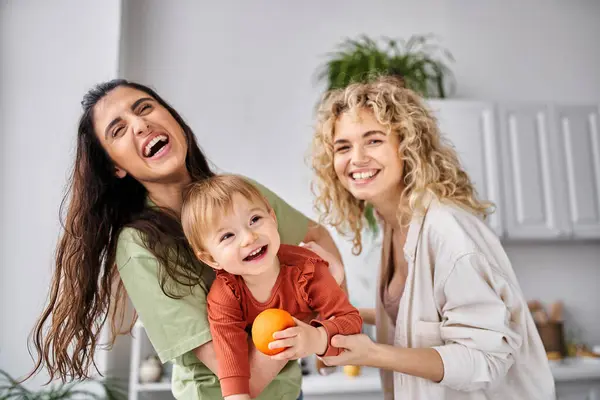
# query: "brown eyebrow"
{"type": "Point", "coordinates": [139, 101]}
{"type": "Point", "coordinates": [365, 135]}
{"type": "Point", "coordinates": [119, 119]}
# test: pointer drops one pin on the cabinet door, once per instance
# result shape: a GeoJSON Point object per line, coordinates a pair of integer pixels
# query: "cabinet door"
{"type": "Point", "coordinates": [533, 206]}
{"type": "Point", "coordinates": [471, 127]}
{"type": "Point", "coordinates": [579, 153]}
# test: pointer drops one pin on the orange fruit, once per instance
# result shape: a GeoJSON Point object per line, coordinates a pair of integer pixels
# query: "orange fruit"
{"type": "Point", "coordinates": [266, 324]}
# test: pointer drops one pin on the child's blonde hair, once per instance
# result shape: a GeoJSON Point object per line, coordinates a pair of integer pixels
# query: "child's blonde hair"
{"type": "Point", "coordinates": [430, 164]}
{"type": "Point", "coordinates": [206, 201]}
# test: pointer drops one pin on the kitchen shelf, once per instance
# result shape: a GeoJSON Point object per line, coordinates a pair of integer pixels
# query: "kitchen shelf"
{"type": "Point", "coordinates": [136, 387]}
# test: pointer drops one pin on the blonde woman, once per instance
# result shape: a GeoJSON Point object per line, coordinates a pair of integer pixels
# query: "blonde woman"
{"type": "Point", "coordinates": [452, 322]}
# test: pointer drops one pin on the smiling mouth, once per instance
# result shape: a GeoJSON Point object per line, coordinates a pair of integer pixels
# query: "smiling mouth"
{"type": "Point", "coordinates": [364, 175]}
{"type": "Point", "coordinates": [155, 145]}
{"type": "Point", "coordinates": [256, 254]}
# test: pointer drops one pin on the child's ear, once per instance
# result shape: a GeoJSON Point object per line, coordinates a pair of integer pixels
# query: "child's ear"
{"type": "Point", "coordinates": [207, 259]}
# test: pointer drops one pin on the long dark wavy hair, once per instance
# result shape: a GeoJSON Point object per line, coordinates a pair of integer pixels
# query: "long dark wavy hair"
{"type": "Point", "coordinates": [85, 287]}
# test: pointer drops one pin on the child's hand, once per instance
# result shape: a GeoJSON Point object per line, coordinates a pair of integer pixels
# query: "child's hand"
{"type": "Point", "coordinates": [336, 268]}
{"type": "Point", "coordinates": [302, 340]}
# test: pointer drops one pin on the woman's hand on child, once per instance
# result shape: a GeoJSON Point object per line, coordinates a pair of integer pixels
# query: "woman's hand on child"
{"type": "Point", "coordinates": [299, 341]}
{"type": "Point", "coordinates": [358, 350]}
{"type": "Point", "coordinates": [336, 268]}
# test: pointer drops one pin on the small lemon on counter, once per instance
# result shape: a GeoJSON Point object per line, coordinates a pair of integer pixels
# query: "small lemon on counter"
{"type": "Point", "coordinates": [553, 355]}
{"type": "Point", "coordinates": [351, 370]}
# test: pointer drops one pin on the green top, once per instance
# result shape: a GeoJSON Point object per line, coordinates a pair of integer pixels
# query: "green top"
{"type": "Point", "coordinates": [177, 326]}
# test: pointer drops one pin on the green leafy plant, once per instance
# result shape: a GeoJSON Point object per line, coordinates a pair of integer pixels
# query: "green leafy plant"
{"type": "Point", "coordinates": [419, 62]}
{"type": "Point", "coordinates": [11, 389]}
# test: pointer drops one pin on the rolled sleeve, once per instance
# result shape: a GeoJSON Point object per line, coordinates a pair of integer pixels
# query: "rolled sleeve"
{"type": "Point", "coordinates": [331, 329]}
{"type": "Point", "coordinates": [337, 315]}
{"type": "Point", "coordinates": [480, 338]}
{"type": "Point", "coordinates": [235, 385]}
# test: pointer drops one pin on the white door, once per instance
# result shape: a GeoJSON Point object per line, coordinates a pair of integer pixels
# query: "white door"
{"type": "Point", "coordinates": [533, 207]}
{"type": "Point", "coordinates": [579, 153]}
{"type": "Point", "coordinates": [471, 127]}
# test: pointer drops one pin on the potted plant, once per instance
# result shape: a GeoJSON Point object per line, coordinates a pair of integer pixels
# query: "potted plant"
{"type": "Point", "coordinates": [12, 389]}
{"type": "Point", "coordinates": [421, 64]}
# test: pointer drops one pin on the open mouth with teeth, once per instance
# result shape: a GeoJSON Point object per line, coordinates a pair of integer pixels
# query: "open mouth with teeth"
{"type": "Point", "coordinates": [257, 254]}
{"type": "Point", "coordinates": [364, 175]}
{"type": "Point", "coordinates": [156, 145]}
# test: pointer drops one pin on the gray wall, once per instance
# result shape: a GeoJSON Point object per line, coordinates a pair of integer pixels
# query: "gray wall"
{"type": "Point", "coordinates": [241, 74]}
{"type": "Point", "coordinates": [50, 54]}
{"type": "Point", "coordinates": [245, 70]}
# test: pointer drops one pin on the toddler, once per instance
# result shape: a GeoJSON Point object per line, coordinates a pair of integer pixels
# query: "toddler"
{"type": "Point", "coordinates": [232, 228]}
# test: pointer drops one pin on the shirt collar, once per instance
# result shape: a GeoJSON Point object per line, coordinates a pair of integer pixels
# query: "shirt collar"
{"type": "Point", "coordinates": [415, 228]}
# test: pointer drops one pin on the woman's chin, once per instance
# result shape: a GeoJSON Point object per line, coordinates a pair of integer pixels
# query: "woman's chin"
{"type": "Point", "coordinates": [362, 194]}
{"type": "Point", "coordinates": [170, 171]}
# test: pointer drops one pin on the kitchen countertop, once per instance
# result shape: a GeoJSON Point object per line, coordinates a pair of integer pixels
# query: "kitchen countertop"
{"type": "Point", "coordinates": [338, 382]}
{"type": "Point", "coordinates": [576, 368]}
{"type": "Point", "coordinates": [567, 370]}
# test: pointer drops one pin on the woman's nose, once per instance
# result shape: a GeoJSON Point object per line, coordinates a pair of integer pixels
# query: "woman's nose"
{"type": "Point", "coordinates": [140, 126]}
{"type": "Point", "coordinates": [359, 157]}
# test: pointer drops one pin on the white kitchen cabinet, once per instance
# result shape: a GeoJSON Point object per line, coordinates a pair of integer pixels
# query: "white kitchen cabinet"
{"type": "Point", "coordinates": [576, 379]}
{"type": "Point", "coordinates": [534, 207]}
{"type": "Point", "coordinates": [579, 155]}
{"type": "Point", "coordinates": [538, 163]}
{"type": "Point", "coordinates": [471, 127]}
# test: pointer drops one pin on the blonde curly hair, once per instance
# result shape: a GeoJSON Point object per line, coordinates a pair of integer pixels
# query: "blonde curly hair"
{"type": "Point", "coordinates": [431, 164]}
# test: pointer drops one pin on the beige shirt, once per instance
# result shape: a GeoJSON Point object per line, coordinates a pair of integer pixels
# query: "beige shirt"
{"type": "Point", "coordinates": [462, 298]}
